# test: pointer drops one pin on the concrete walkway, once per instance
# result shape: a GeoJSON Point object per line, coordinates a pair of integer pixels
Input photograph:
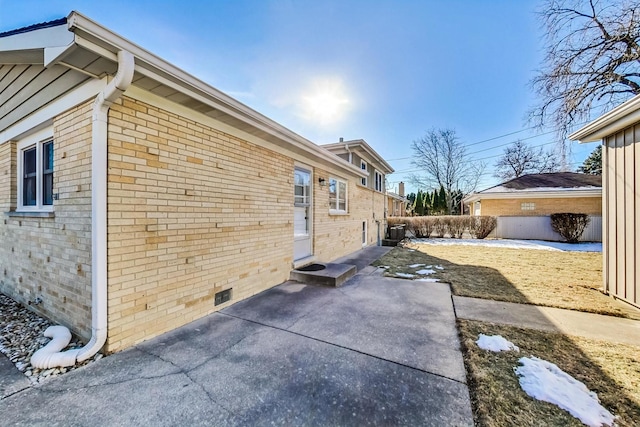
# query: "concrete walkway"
{"type": "Point", "coordinates": [376, 351]}
{"type": "Point", "coordinates": [569, 322]}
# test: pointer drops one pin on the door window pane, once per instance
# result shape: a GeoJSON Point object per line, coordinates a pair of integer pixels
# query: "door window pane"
{"type": "Point", "coordinates": [302, 180]}
{"type": "Point", "coordinates": [342, 196]}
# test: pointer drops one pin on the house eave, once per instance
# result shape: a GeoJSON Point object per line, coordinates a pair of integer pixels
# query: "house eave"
{"type": "Point", "coordinates": [334, 147]}
{"type": "Point", "coordinates": [615, 120]}
{"type": "Point", "coordinates": [91, 35]}
{"type": "Point", "coordinates": [523, 194]}
{"type": "Point", "coordinates": [60, 44]}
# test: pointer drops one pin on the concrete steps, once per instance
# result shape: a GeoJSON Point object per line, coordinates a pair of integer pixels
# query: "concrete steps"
{"type": "Point", "coordinates": [325, 274]}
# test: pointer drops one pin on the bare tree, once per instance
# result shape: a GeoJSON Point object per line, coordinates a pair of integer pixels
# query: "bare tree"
{"type": "Point", "coordinates": [444, 162]}
{"type": "Point", "coordinates": [520, 159]}
{"type": "Point", "coordinates": [592, 61]}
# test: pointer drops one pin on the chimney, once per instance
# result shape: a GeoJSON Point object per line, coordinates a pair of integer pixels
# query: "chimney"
{"type": "Point", "coordinates": [401, 189]}
{"type": "Point", "coordinates": [341, 139]}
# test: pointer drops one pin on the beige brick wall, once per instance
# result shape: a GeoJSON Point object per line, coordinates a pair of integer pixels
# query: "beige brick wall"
{"type": "Point", "coordinates": [512, 207]}
{"type": "Point", "coordinates": [192, 211]}
{"type": "Point", "coordinates": [338, 235]}
{"type": "Point", "coordinates": [50, 258]}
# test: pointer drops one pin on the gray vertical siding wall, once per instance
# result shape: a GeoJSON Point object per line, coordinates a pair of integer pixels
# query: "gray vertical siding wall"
{"type": "Point", "coordinates": [621, 213]}
{"type": "Point", "coordinates": [539, 228]}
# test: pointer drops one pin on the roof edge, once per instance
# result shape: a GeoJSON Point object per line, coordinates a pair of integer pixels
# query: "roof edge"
{"type": "Point", "coordinates": [367, 148]}
{"type": "Point", "coordinates": [78, 22]}
{"type": "Point", "coordinates": [524, 194]}
{"type": "Point", "coordinates": [48, 24]}
{"type": "Point", "coordinates": [609, 123]}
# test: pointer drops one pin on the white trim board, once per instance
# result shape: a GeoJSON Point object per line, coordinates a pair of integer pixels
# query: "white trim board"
{"type": "Point", "coordinates": [142, 95]}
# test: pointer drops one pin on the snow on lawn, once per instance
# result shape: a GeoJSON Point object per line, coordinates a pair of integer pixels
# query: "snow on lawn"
{"type": "Point", "coordinates": [415, 265]}
{"type": "Point", "coordinates": [424, 279]}
{"type": "Point", "coordinates": [495, 343]}
{"type": "Point", "coordinates": [516, 244]}
{"type": "Point", "coordinates": [425, 272]}
{"type": "Point", "coordinates": [405, 275]}
{"type": "Point", "coordinates": [544, 381]}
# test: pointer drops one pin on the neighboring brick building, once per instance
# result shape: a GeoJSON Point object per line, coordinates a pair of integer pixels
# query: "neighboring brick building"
{"type": "Point", "coordinates": [523, 205]}
{"type": "Point", "coordinates": [134, 193]}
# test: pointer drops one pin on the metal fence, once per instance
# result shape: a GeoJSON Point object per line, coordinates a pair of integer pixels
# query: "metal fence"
{"type": "Point", "coordinates": [539, 228]}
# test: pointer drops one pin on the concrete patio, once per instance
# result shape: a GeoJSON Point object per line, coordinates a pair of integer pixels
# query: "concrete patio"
{"type": "Point", "coordinates": [377, 351]}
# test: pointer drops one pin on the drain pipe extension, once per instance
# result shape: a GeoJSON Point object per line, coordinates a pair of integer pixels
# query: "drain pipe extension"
{"type": "Point", "coordinates": [50, 358]}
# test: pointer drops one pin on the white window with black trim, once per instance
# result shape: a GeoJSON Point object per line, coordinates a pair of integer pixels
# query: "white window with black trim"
{"type": "Point", "coordinates": [35, 173]}
{"type": "Point", "coordinates": [363, 166]}
{"type": "Point", "coordinates": [337, 196]}
{"type": "Point", "coordinates": [379, 181]}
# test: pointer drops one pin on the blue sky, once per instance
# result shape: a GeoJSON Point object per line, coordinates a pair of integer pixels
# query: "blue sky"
{"type": "Point", "coordinates": [384, 71]}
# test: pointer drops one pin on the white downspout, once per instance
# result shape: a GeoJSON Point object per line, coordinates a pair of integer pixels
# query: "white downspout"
{"type": "Point", "coordinates": [43, 358]}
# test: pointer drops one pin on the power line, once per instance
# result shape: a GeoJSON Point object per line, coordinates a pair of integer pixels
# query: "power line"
{"type": "Point", "coordinates": [505, 135]}
{"type": "Point", "coordinates": [477, 160]}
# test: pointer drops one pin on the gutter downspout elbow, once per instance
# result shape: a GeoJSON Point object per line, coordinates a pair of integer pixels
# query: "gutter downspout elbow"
{"type": "Point", "coordinates": [114, 89]}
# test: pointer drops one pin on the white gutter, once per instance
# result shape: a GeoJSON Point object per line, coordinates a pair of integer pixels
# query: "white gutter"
{"type": "Point", "coordinates": [122, 80]}
{"type": "Point", "coordinates": [609, 123]}
{"type": "Point", "coordinates": [103, 41]}
{"type": "Point", "coordinates": [523, 194]}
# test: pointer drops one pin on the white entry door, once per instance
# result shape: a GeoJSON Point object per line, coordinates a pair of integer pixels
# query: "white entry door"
{"type": "Point", "coordinates": [301, 213]}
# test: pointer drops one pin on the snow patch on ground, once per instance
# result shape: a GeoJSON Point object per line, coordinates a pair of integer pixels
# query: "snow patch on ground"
{"type": "Point", "coordinates": [425, 272]}
{"type": "Point", "coordinates": [515, 244]}
{"type": "Point", "coordinates": [405, 275]}
{"type": "Point", "coordinates": [544, 381]}
{"type": "Point", "coordinates": [495, 343]}
{"type": "Point", "coordinates": [415, 265]}
{"type": "Point", "coordinates": [424, 279]}
{"type": "Point", "coordinates": [439, 267]}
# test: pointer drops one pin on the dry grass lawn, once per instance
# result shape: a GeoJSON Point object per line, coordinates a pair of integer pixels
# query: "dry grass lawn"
{"type": "Point", "coordinates": [571, 280]}
{"type": "Point", "coordinates": [611, 370]}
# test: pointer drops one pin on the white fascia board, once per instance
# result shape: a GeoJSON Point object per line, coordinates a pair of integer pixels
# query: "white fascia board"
{"type": "Point", "coordinates": [520, 194]}
{"type": "Point", "coordinates": [147, 97]}
{"type": "Point", "coordinates": [471, 198]}
{"type": "Point", "coordinates": [54, 54]}
{"type": "Point", "coordinates": [615, 120]}
{"type": "Point", "coordinates": [309, 148]}
{"type": "Point", "coordinates": [170, 75]}
{"type": "Point", "coordinates": [340, 148]}
{"type": "Point", "coordinates": [37, 39]}
{"type": "Point", "coordinates": [42, 116]}
{"type": "Point", "coordinates": [373, 153]}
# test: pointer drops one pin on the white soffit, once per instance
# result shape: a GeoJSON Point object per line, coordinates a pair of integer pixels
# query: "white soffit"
{"type": "Point", "coordinates": [615, 120]}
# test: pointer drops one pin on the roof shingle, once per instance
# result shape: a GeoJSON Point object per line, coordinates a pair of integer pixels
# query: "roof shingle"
{"type": "Point", "coordinates": [554, 180]}
{"type": "Point", "coordinates": [34, 27]}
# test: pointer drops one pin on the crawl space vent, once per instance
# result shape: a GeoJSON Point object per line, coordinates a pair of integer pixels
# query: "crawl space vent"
{"type": "Point", "coordinates": [223, 296]}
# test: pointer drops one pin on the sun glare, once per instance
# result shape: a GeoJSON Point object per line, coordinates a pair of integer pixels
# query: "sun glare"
{"type": "Point", "coordinates": [325, 101]}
